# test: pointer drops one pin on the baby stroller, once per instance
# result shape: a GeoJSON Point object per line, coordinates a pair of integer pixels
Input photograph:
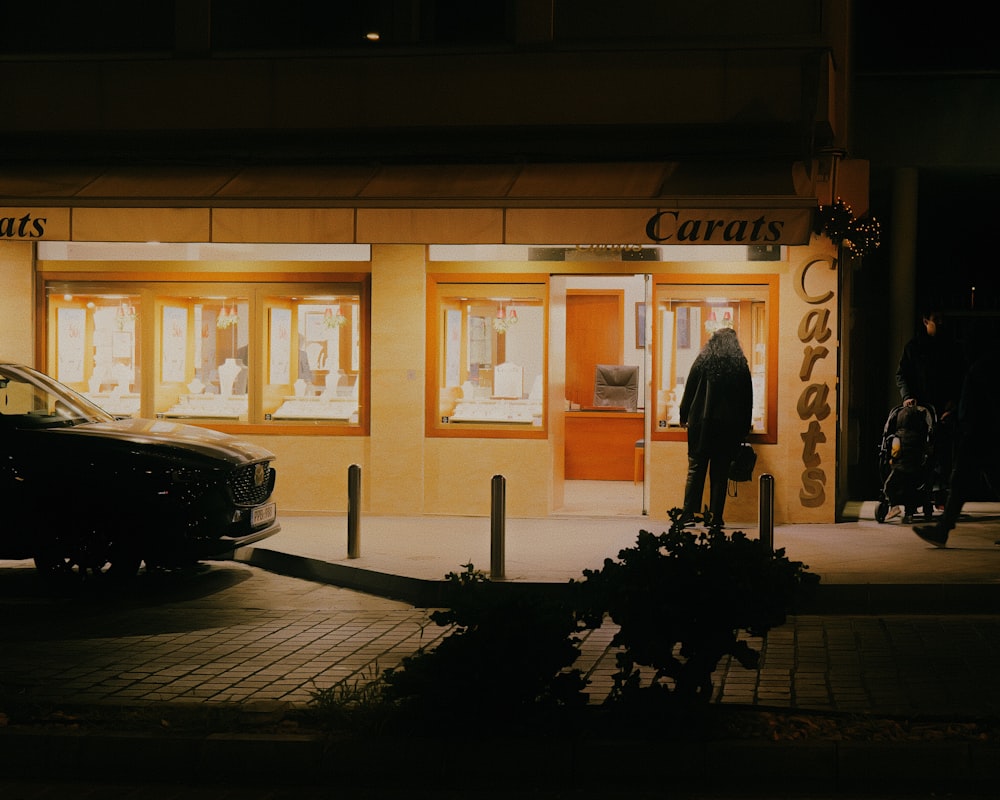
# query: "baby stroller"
{"type": "Point", "coordinates": [906, 463]}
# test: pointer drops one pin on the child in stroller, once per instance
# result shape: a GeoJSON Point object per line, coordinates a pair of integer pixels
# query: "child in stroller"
{"type": "Point", "coordinates": [906, 462]}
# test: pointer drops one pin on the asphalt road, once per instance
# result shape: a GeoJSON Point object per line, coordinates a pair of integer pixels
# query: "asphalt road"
{"type": "Point", "coordinates": [128, 791]}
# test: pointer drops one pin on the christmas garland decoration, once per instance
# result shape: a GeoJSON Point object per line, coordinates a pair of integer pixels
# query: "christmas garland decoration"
{"type": "Point", "coordinates": [861, 235]}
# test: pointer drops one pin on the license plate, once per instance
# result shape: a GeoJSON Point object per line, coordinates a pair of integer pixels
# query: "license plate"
{"type": "Point", "coordinates": [262, 515]}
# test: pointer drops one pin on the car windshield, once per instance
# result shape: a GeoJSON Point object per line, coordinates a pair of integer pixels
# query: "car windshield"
{"type": "Point", "coordinates": [30, 399]}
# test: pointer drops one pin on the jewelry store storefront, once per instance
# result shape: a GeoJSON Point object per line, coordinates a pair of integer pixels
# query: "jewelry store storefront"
{"type": "Point", "coordinates": [439, 327]}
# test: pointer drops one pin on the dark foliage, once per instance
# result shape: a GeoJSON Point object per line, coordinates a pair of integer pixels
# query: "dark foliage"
{"type": "Point", "coordinates": [505, 663]}
{"type": "Point", "coordinates": [681, 599]}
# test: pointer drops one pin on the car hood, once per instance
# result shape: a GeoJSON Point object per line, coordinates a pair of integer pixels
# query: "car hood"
{"type": "Point", "coordinates": [203, 441]}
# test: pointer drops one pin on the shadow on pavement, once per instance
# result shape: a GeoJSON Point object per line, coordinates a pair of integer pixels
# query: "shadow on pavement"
{"type": "Point", "coordinates": [152, 603]}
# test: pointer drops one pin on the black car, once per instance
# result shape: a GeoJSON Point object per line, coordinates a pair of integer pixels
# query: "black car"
{"type": "Point", "coordinates": [86, 493]}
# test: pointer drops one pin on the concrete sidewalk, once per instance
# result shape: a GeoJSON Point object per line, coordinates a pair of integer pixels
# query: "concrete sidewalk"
{"type": "Point", "coordinates": [865, 566]}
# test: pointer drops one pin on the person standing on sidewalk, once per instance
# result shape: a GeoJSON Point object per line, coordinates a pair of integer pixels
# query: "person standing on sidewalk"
{"type": "Point", "coordinates": [930, 372]}
{"type": "Point", "coordinates": [717, 410]}
{"type": "Point", "coordinates": [977, 448]}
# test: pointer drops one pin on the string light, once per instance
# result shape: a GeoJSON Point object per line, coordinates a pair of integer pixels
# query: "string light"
{"type": "Point", "coordinates": [861, 235]}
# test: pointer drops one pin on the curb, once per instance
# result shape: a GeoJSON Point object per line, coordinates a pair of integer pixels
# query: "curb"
{"type": "Point", "coordinates": [829, 599]}
{"type": "Point", "coordinates": [319, 760]}
{"type": "Point", "coordinates": [416, 591]}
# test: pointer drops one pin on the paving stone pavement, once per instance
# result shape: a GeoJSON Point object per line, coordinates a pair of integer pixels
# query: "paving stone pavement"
{"type": "Point", "coordinates": [235, 633]}
{"type": "Point", "coordinates": [235, 637]}
{"type": "Point", "coordinates": [229, 634]}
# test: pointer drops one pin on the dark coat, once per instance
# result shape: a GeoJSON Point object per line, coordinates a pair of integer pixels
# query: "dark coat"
{"type": "Point", "coordinates": [931, 371]}
{"type": "Point", "coordinates": [716, 408]}
{"type": "Point", "coordinates": [978, 413]}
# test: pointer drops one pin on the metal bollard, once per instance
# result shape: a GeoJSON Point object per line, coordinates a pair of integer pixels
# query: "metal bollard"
{"type": "Point", "coordinates": [354, 511]}
{"type": "Point", "coordinates": [498, 502]}
{"type": "Point", "coordinates": [765, 514]}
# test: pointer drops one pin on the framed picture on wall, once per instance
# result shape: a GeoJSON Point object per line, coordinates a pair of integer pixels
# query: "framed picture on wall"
{"type": "Point", "coordinates": [640, 324]}
{"type": "Point", "coordinates": [173, 367]}
{"type": "Point", "coordinates": [683, 328]}
{"type": "Point", "coordinates": [315, 329]}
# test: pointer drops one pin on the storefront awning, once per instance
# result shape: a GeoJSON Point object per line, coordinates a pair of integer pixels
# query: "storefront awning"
{"type": "Point", "coordinates": [570, 185]}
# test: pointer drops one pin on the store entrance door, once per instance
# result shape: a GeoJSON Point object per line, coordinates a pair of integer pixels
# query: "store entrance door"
{"type": "Point", "coordinates": [606, 376]}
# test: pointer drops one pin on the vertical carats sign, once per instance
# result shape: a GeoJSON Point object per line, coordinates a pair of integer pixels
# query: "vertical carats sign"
{"type": "Point", "coordinates": [816, 394]}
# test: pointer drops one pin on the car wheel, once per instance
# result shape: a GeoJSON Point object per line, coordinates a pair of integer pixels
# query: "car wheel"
{"type": "Point", "coordinates": [113, 561]}
{"type": "Point", "coordinates": [53, 566]}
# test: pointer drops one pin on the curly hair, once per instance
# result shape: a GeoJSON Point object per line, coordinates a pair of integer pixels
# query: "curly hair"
{"type": "Point", "coordinates": [722, 355]}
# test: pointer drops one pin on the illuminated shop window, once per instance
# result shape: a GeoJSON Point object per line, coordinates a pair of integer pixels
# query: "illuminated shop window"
{"type": "Point", "coordinates": [487, 342]}
{"type": "Point", "coordinates": [203, 361]}
{"type": "Point", "coordinates": [312, 359]}
{"type": "Point", "coordinates": [686, 314]}
{"type": "Point", "coordinates": [93, 348]}
{"type": "Point", "coordinates": [267, 354]}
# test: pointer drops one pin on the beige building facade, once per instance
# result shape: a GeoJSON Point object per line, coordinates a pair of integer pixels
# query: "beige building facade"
{"type": "Point", "coordinates": [547, 234]}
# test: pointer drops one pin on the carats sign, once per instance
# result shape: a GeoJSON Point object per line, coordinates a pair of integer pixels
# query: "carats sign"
{"type": "Point", "coordinates": [788, 226]}
{"type": "Point", "coordinates": [22, 226]}
{"type": "Point", "coordinates": [813, 406]}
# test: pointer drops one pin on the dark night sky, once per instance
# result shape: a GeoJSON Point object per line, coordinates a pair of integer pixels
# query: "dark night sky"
{"type": "Point", "coordinates": [894, 35]}
{"type": "Point", "coordinates": [956, 209]}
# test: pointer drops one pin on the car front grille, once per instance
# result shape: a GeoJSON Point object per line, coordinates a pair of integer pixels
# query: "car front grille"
{"type": "Point", "coordinates": [248, 487]}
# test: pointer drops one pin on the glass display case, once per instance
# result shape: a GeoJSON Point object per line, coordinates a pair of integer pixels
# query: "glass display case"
{"type": "Point", "coordinates": [326, 363]}
{"type": "Point", "coordinates": [270, 354]}
{"type": "Point", "coordinates": [93, 348]}
{"type": "Point", "coordinates": [487, 340]}
{"type": "Point", "coordinates": [203, 357]}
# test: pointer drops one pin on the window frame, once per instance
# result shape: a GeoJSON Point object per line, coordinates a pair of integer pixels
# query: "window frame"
{"type": "Point", "coordinates": [772, 284]}
{"type": "Point", "coordinates": [514, 285]}
{"type": "Point", "coordinates": [152, 289]}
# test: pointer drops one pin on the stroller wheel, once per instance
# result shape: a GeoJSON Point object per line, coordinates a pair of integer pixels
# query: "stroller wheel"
{"type": "Point", "coordinates": [881, 510]}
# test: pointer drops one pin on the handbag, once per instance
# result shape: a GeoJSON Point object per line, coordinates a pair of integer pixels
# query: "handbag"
{"type": "Point", "coordinates": [741, 468]}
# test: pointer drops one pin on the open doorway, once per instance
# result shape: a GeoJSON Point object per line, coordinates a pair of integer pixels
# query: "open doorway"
{"type": "Point", "coordinates": [606, 394]}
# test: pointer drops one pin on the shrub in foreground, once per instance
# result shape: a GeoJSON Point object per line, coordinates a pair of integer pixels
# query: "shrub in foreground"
{"type": "Point", "coordinates": [506, 662]}
{"type": "Point", "coordinates": [681, 600]}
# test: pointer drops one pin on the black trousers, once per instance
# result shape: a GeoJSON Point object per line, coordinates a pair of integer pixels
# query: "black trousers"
{"type": "Point", "coordinates": [975, 458]}
{"type": "Point", "coordinates": [945, 447]}
{"type": "Point", "coordinates": [715, 464]}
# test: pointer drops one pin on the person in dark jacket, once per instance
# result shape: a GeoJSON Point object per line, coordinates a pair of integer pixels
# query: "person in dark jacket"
{"type": "Point", "coordinates": [978, 440]}
{"type": "Point", "coordinates": [930, 372]}
{"type": "Point", "coordinates": [716, 409]}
